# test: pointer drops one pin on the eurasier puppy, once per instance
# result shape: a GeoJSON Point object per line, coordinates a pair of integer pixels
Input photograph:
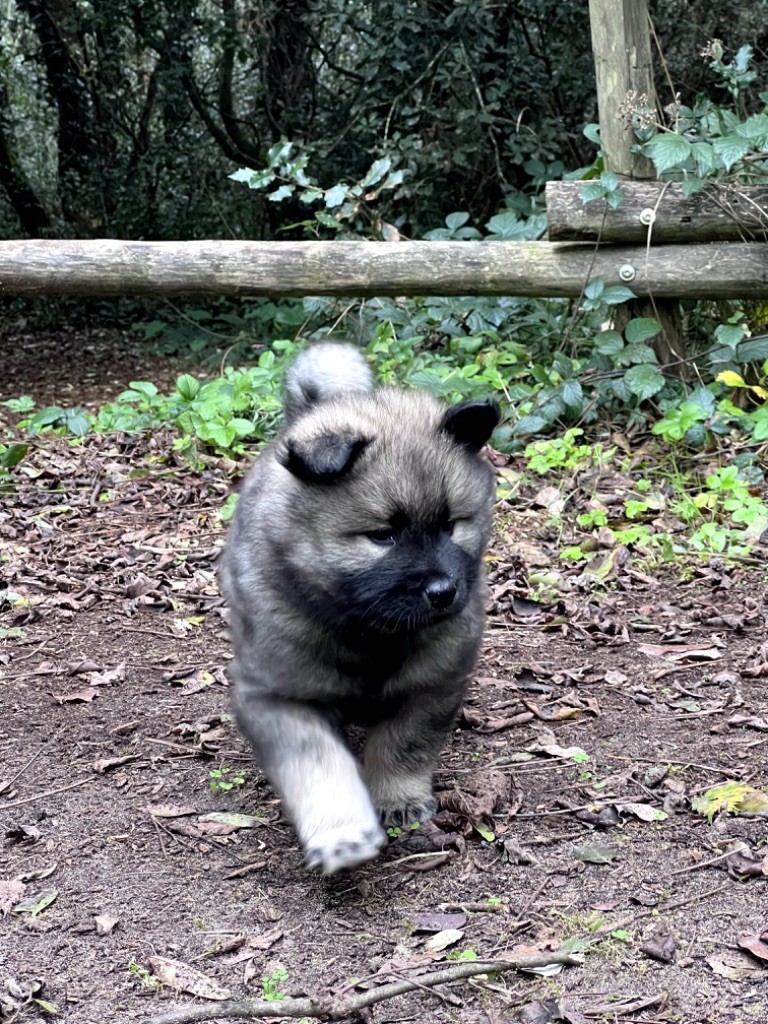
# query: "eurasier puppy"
{"type": "Point", "coordinates": [354, 577]}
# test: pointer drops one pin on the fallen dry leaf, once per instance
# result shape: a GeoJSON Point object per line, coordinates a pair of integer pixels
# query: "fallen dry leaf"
{"type": "Point", "coordinates": [442, 940]}
{"type": "Point", "coordinates": [77, 697]}
{"type": "Point", "coordinates": [112, 675]}
{"type": "Point", "coordinates": [105, 923]}
{"type": "Point", "coordinates": [661, 946]}
{"type": "Point", "coordinates": [590, 854]}
{"type": "Point", "coordinates": [106, 763]}
{"type": "Point", "coordinates": [642, 811]}
{"type": "Point", "coordinates": [169, 811]}
{"type": "Point", "coordinates": [479, 797]}
{"type": "Point", "coordinates": [437, 922]}
{"type": "Point", "coordinates": [180, 976]}
{"type": "Point", "coordinates": [749, 722]}
{"type": "Point", "coordinates": [252, 946]}
{"type": "Point", "coordinates": [10, 894]}
{"type": "Point", "coordinates": [547, 744]}
{"type": "Point", "coordinates": [735, 967]}
{"type": "Point", "coordinates": [682, 652]}
{"type": "Point", "coordinates": [754, 944]}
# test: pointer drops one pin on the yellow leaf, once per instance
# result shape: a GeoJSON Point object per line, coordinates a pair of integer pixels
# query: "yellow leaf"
{"type": "Point", "coordinates": [731, 796]}
{"type": "Point", "coordinates": [759, 391]}
{"type": "Point", "coordinates": [732, 379]}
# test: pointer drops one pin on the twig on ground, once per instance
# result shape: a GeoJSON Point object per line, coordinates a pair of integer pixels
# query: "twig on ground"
{"type": "Point", "coordinates": [328, 1009]}
{"type": "Point", "coordinates": [41, 796]}
{"type": "Point", "coordinates": [21, 771]}
{"type": "Point", "coordinates": [702, 863]}
{"type": "Point", "coordinates": [624, 922]}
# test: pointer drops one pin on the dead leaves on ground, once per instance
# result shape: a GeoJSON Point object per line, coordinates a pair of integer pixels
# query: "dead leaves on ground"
{"type": "Point", "coordinates": [180, 976]}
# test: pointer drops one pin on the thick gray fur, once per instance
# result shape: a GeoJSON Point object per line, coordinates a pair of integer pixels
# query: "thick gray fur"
{"type": "Point", "coordinates": [332, 624]}
{"type": "Point", "coordinates": [323, 371]}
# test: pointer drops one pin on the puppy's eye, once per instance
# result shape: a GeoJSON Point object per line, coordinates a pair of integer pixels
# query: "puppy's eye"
{"type": "Point", "coordinates": [450, 526]}
{"type": "Point", "coordinates": [385, 537]}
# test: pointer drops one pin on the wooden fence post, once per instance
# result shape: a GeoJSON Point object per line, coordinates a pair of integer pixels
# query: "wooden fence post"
{"type": "Point", "coordinates": [621, 42]}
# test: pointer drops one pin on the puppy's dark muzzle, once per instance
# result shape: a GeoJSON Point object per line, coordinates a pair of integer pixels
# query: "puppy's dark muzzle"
{"type": "Point", "coordinates": [440, 592]}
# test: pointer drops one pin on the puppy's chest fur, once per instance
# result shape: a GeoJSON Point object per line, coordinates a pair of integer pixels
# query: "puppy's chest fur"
{"type": "Point", "coordinates": [369, 675]}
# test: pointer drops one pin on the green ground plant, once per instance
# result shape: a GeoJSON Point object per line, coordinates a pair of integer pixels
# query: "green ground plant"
{"type": "Point", "coordinates": [270, 985]}
{"type": "Point", "coordinates": [224, 779]}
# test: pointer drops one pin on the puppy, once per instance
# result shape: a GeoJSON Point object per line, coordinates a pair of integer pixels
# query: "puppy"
{"type": "Point", "coordinates": [354, 576]}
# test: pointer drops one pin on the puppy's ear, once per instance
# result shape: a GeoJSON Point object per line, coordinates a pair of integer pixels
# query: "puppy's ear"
{"type": "Point", "coordinates": [323, 459]}
{"type": "Point", "coordinates": [471, 423]}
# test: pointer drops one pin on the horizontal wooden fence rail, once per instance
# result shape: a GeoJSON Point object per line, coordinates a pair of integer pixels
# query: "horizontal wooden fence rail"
{"type": "Point", "coordinates": [716, 213]}
{"type": "Point", "coordinates": [108, 267]}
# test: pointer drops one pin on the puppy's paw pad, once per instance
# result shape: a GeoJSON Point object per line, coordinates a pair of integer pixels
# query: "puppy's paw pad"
{"type": "Point", "coordinates": [399, 817]}
{"type": "Point", "coordinates": [340, 849]}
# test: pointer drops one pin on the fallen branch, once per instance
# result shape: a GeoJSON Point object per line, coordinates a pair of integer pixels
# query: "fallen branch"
{"type": "Point", "coordinates": [328, 1009]}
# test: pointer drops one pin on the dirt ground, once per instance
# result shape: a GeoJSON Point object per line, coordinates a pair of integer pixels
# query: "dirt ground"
{"type": "Point", "coordinates": [601, 708]}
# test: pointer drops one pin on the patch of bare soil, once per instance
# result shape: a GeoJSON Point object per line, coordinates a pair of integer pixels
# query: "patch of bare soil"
{"type": "Point", "coordinates": [130, 888]}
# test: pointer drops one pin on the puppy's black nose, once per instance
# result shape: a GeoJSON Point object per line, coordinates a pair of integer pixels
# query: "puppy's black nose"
{"type": "Point", "coordinates": [440, 592]}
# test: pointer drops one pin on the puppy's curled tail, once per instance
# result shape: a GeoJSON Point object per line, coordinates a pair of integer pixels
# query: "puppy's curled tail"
{"type": "Point", "coordinates": [321, 372]}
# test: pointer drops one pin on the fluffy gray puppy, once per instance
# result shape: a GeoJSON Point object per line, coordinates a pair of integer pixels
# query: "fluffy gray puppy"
{"type": "Point", "coordinates": [353, 572]}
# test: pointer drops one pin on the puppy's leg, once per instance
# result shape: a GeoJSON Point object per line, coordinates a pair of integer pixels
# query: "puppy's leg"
{"type": "Point", "coordinates": [307, 762]}
{"type": "Point", "coordinates": [400, 756]}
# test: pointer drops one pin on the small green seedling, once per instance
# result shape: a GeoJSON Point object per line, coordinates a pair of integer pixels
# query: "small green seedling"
{"type": "Point", "coordinates": [224, 779]}
{"type": "Point", "coordinates": [394, 831]}
{"type": "Point", "coordinates": [269, 986]}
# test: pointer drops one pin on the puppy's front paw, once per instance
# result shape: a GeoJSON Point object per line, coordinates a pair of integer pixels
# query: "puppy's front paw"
{"type": "Point", "coordinates": [343, 847]}
{"type": "Point", "coordinates": [408, 814]}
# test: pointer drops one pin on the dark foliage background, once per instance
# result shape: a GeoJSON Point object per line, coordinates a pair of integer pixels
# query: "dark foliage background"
{"type": "Point", "coordinates": [123, 118]}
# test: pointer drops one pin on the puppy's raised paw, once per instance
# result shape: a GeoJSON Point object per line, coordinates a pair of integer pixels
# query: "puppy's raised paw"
{"type": "Point", "coordinates": [342, 848]}
{"type": "Point", "coordinates": [409, 814]}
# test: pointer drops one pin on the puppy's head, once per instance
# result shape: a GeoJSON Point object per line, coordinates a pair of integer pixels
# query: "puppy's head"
{"type": "Point", "coordinates": [387, 509]}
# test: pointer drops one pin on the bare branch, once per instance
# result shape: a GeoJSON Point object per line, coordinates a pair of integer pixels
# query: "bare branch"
{"type": "Point", "coordinates": [328, 1009]}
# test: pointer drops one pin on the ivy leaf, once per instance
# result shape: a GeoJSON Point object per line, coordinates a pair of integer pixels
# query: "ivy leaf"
{"type": "Point", "coordinates": [704, 155]}
{"type": "Point", "coordinates": [691, 185]}
{"type": "Point", "coordinates": [644, 380]}
{"type": "Point", "coordinates": [310, 195]}
{"type": "Point", "coordinates": [702, 398]}
{"type": "Point", "coordinates": [753, 350]}
{"type": "Point", "coordinates": [616, 294]}
{"type": "Point", "coordinates": [77, 422]}
{"type": "Point", "coordinates": [507, 226]}
{"type": "Point", "coordinates": [335, 196]}
{"type": "Point", "coordinates": [730, 335]}
{"type": "Point", "coordinates": [595, 288]}
{"type": "Point", "coordinates": [281, 193]}
{"type": "Point", "coordinates": [254, 179]}
{"type": "Point", "coordinates": [731, 149]}
{"type": "Point", "coordinates": [641, 328]}
{"type": "Point", "coordinates": [609, 343]}
{"type": "Point", "coordinates": [395, 178]}
{"type": "Point", "coordinates": [376, 171]}
{"type": "Point", "coordinates": [573, 395]}
{"type": "Point", "coordinates": [243, 174]}
{"type": "Point", "coordinates": [456, 220]}
{"type": "Point", "coordinates": [13, 455]}
{"type": "Point", "coordinates": [667, 151]}
{"type": "Point", "coordinates": [592, 132]}
{"type": "Point", "coordinates": [530, 424]}
{"type": "Point", "coordinates": [755, 129]}
{"type": "Point", "coordinates": [592, 190]}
